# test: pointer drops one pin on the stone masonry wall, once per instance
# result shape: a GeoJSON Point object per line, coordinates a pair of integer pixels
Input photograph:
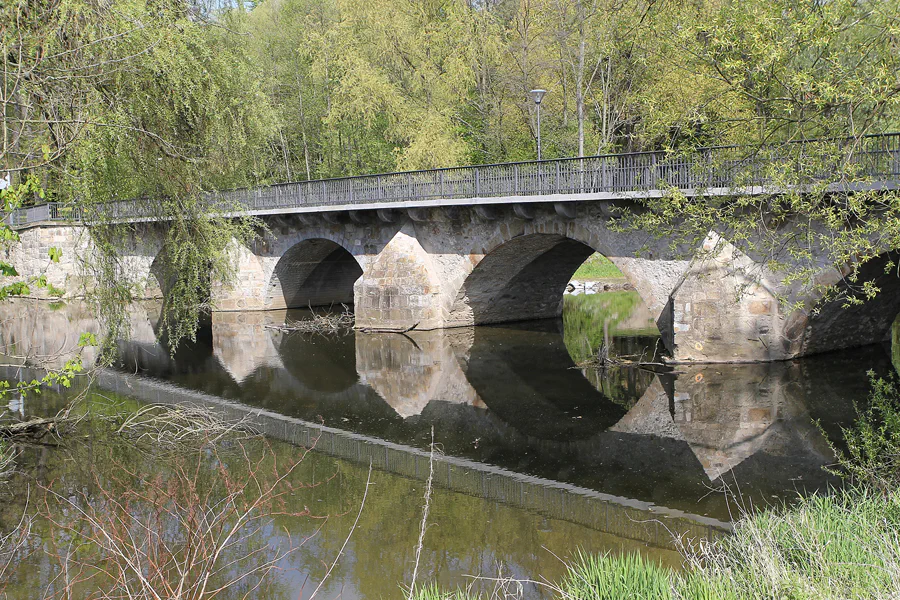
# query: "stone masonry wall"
{"type": "Point", "coordinates": [31, 258]}
{"type": "Point", "coordinates": [433, 268]}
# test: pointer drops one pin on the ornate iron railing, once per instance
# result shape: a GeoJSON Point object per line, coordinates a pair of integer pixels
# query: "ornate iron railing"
{"type": "Point", "coordinates": [719, 170]}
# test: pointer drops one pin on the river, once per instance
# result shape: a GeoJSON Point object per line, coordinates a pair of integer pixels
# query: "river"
{"type": "Point", "coordinates": [538, 456]}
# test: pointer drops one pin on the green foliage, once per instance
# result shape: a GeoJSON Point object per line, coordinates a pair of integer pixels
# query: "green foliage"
{"type": "Point", "coordinates": [362, 87]}
{"type": "Point", "coordinates": [872, 454]}
{"type": "Point", "coordinates": [589, 316]}
{"type": "Point", "coordinates": [18, 288]}
{"type": "Point", "coordinates": [54, 291]}
{"type": "Point", "coordinates": [597, 267]}
{"type": "Point", "coordinates": [141, 100]}
{"type": "Point", "coordinates": [171, 101]}
{"type": "Point", "coordinates": [11, 198]}
{"type": "Point", "coordinates": [842, 545]}
{"type": "Point", "coordinates": [765, 74]}
{"type": "Point", "coordinates": [433, 592]}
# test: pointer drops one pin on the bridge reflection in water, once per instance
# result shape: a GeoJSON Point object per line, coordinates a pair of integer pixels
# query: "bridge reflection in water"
{"type": "Point", "coordinates": [635, 454]}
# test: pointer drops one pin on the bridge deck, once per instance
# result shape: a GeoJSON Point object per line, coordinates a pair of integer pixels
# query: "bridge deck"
{"type": "Point", "coordinates": [873, 160]}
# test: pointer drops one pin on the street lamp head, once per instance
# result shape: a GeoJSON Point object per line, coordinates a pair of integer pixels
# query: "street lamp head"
{"type": "Point", "coordinates": [537, 95]}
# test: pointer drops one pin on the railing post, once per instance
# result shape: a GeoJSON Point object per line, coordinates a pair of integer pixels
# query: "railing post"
{"type": "Point", "coordinates": [581, 171]}
{"type": "Point", "coordinates": [556, 190]}
{"type": "Point", "coordinates": [409, 194]}
{"type": "Point", "coordinates": [477, 183]}
{"type": "Point", "coordinates": [516, 179]}
{"type": "Point", "coordinates": [442, 184]}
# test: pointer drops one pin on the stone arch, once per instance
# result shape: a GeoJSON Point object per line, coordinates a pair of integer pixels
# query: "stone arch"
{"type": "Point", "coordinates": [522, 275]}
{"type": "Point", "coordinates": [313, 272]}
{"type": "Point", "coordinates": [835, 325]}
{"type": "Point", "coordinates": [522, 279]}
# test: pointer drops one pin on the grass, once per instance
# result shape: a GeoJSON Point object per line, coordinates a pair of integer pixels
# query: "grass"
{"type": "Point", "coordinates": [597, 267]}
{"type": "Point", "coordinates": [608, 577]}
{"type": "Point", "coordinates": [845, 545]}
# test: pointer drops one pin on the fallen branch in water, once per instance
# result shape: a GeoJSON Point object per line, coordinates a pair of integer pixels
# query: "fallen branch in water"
{"type": "Point", "coordinates": [603, 359]}
{"type": "Point", "coordinates": [34, 428]}
{"type": "Point", "coordinates": [322, 323]}
{"type": "Point", "coordinates": [617, 361]}
{"type": "Point", "coordinates": [169, 426]}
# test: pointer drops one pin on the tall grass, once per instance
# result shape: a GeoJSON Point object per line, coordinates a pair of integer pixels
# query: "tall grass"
{"type": "Point", "coordinates": [842, 545]}
{"type": "Point", "coordinates": [845, 545]}
{"type": "Point", "coordinates": [609, 577]}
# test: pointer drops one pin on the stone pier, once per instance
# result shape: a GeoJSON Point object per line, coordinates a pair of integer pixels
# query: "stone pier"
{"type": "Point", "coordinates": [442, 267]}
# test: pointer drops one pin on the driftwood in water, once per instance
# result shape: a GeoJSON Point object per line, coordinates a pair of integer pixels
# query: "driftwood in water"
{"type": "Point", "coordinates": [34, 428]}
{"type": "Point", "coordinates": [325, 323]}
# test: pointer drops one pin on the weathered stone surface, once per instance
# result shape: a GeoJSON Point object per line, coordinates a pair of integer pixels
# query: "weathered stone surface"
{"type": "Point", "coordinates": [439, 267]}
{"type": "Point", "coordinates": [400, 289]}
{"type": "Point", "coordinates": [31, 258]}
{"type": "Point", "coordinates": [724, 311]}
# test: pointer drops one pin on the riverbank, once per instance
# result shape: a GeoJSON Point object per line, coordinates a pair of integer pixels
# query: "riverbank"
{"type": "Point", "coordinates": [839, 543]}
{"type": "Point", "coordinates": [842, 545]}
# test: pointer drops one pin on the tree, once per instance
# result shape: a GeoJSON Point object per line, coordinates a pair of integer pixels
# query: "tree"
{"type": "Point", "coordinates": [133, 99]}
{"type": "Point", "coordinates": [767, 75]}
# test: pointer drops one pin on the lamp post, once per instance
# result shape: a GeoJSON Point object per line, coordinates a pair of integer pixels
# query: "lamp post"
{"type": "Point", "coordinates": [537, 96]}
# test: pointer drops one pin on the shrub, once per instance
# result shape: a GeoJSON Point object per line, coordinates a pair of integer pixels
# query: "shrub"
{"type": "Point", "coordinates": [872, 455]}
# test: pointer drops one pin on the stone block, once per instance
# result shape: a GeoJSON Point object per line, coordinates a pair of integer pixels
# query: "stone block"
{"type": "Point", "coordinates": [760, 307]}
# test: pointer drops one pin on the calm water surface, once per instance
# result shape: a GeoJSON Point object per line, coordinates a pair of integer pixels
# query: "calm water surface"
{"type": "Point", "coordinates": [539, 455]}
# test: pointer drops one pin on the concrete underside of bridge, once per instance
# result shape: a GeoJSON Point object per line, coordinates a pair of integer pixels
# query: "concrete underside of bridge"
{"type": "Point", "coordinates": [442, 267]}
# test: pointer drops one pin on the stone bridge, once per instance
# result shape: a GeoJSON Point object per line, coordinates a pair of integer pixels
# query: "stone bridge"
{"type": "Point", "coordinates": [491, 244]}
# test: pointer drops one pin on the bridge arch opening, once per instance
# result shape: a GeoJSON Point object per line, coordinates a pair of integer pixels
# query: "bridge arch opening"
{"type": "Point", "coordinates": [520, 280]}
{"type": "Point", "coordinates": [527, 279]}
{"type": "Point", "coordinates": [837, 324]}
{"type": "Point", "coordinates": [314, 272]}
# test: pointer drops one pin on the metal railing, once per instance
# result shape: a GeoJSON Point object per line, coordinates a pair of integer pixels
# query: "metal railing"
{"type": "Point", "coordinates": [874, 158]}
